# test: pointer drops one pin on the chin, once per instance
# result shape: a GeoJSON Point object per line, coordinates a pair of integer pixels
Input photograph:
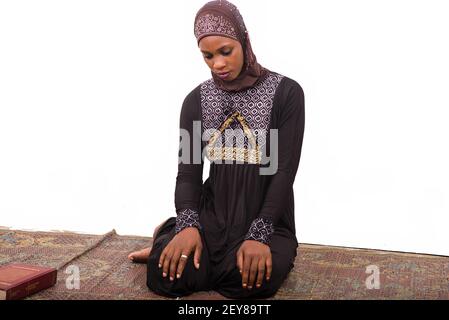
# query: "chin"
{"type": "Point", "coordinates": [230, 79]}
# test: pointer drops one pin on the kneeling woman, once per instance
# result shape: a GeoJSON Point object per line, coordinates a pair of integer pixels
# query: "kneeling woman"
{"type": "Point", "coordinates": [234, 233]}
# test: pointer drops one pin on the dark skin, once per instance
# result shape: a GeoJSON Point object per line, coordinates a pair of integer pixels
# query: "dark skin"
{"type": "Point", "coordinates": [253, 258]}
{"type": "Point", "coordinates": [222, 54]}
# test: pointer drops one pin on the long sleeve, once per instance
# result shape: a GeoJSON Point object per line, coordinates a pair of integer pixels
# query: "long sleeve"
{"type": "Point", "coordinates": [189, 179]}
{"type": "Point", "coordinates": [291, 119]}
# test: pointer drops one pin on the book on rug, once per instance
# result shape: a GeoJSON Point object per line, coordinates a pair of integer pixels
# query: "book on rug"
{"type": "Point", "coordinates": [18, 281]}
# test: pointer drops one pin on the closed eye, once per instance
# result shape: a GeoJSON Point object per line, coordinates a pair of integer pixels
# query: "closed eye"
{"type": "Point", "coordinates": [227, 53]}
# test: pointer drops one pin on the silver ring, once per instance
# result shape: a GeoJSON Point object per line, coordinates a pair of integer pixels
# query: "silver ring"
{"type": "Point", "coordinates": [184, 256]}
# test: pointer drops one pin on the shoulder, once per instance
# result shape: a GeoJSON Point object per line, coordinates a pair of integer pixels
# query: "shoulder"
{"type": "Point", "coordinates": [193, 96]}
{"type": "Point", "coordinates": [289, 97]}
{"type": "Point", "coordinates": [191, 105]}
{"type": "Point", "coordinates": [289, 88]}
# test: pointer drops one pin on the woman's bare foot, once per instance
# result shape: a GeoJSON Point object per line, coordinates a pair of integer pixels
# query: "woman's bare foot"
{"type": "Point", "coordinates": [141, 256]}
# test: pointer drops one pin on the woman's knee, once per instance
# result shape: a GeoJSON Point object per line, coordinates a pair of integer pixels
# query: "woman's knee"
{"type": "Point", "coordinates": [266, 290]}
{"type": "Point", "coordinates": [191, 280]}
{"type": "Point", "coordinates": [163, 285]}
{"type": "Point", "coordinates": [233, 289]}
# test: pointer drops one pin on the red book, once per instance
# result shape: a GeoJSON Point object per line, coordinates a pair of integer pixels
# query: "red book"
{"type": "Point", "coordinates": [18, 281]}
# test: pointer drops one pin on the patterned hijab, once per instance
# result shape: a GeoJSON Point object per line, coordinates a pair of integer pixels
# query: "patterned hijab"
{"type": "Point", "coordinates": [222, 18]}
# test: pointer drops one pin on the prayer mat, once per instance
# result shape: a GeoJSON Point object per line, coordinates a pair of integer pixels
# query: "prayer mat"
{"type": "Point", "coordinates": [320, 272]}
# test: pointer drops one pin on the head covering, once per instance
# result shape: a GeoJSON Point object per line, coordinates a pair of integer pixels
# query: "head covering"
{"type": "Point", "coordinates": [222, 18]}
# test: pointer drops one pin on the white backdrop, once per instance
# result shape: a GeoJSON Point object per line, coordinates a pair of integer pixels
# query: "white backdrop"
{"type": "Point", "coordinates": [90, 95]}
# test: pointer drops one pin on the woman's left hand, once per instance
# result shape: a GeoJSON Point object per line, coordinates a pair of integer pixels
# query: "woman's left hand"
{"type": "Point", "coordinates": [253, 258]}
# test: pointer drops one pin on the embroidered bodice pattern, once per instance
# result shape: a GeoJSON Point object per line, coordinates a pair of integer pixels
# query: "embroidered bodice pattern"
{"type": "Point", "coordinates": [248, 114]}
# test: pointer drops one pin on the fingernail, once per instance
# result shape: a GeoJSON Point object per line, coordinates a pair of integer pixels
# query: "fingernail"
{"type": "Point", "coordinates": [250, 287]}
{"type": "Point", "coordinates": [171, 278]}
{"type": "Point", "coordinates": [160, 265]}
{"type": "Point", "coordinates": [164, 274]}
{"type": "Point", "coordinates": [268, 279]}
{"type": "Point", "coordinates": [244, 284]}
{"type": "Point", "coordinates": [240, 271]}
{"type": "Point", "coordinates": [198, 265]}
{"type": "Point", "coordinates": [258, 285]}
{"type": "Point", "coordinates": [178, 276]}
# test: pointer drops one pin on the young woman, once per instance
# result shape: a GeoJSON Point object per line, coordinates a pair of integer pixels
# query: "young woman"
{"type": "Point", "coordinates": [234, 233]}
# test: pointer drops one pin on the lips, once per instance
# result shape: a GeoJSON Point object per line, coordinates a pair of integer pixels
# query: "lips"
{"type": "Point", "coordinates": [223, 75]}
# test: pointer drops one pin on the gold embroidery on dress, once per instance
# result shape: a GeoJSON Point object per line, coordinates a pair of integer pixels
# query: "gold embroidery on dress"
{"type": "Point", "coordinates": [251, 155]}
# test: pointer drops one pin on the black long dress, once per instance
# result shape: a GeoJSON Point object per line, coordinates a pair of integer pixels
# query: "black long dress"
{"type": "Point", "coordinates": [236, 194]}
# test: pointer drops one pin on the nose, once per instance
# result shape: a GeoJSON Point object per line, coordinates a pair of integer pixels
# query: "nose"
{"type": "Point", "coordinates": [219, 64]}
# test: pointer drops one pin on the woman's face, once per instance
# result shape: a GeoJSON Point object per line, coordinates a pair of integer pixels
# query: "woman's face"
{"type": "Point", "coordinates": [223, 55]}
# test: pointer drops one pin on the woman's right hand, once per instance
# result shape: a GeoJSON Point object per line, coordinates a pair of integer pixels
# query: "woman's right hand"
{"type": "Point", "coordinates": [185, 242]}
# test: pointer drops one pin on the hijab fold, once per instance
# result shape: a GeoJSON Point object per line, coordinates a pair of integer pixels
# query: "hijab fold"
{"type": "Point", "coordinates": [222, 18]}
